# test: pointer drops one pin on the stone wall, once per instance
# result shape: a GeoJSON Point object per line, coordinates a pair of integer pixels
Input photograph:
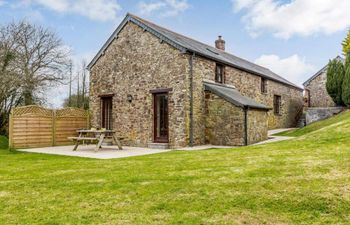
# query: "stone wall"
{"type": "Point", "coordinates": [249, 85]}
{"type": "Point", "coordinates": [135, 63]}
{"type": "Point", "coordinates": [224, 123]}
{"type": "Point", "coordinates": [318, 93]}
{"type": "Point", "coordinates": [317, 114]}
{"type": "Point", "coordinates": [257, 125]}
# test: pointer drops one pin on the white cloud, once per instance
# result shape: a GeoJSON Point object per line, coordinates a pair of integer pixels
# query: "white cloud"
{"type": "Point", "coordinates": [101, 10]}
{"type": "Point", "coordinates": [297, 17]}
{"type": "Point", "coordinates": [293, 68]}
{"type": "Point", "coordinates": [33, 16]}
{"type": "Point", "coordinates": [165, 8]}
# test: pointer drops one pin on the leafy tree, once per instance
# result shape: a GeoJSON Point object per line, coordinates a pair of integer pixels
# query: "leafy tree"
{"type": "Point", "coordinates": [10, 83]}
{"type": "Point", "coordinates": [346, 87]}
{"type": "Point", "coordinates": [335, 76]}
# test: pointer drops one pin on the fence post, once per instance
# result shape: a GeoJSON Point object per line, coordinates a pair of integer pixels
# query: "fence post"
{"type": "Point", "coordinates": [54, 127]}
{"type": "Point", "coordinates": [11, 130]}
{"type": "Point", "coordinates": [87, 119]}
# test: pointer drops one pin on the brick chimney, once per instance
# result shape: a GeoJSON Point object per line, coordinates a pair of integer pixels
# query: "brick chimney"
{"type": "Point", "coordinates": [220, 43]}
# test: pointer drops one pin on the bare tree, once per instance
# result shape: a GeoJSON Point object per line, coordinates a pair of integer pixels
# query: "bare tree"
{"type": "Point", "coordinates": [32, 58]}
{"type": "Point", "coordinates": [78, 89]}
{"type": "Point", "coordinates": [41, 57]}
{"type": "Point", "coordinates": [70, 83]}
{"type": "Point", "coordinates": [84, 74]}
{"type": "Point", "coordinates": [80, 98]}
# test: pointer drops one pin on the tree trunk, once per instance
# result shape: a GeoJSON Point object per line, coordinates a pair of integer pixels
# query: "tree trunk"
{"type": "Point", "coordinates": [28, 97]}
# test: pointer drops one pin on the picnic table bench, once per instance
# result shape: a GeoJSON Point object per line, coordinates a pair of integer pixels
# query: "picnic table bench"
{"type": "Point", "coordinates": [95, 135]}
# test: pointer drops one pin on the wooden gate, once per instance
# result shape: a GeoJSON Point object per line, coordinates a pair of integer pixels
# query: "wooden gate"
{"type": "Point", "coordinates": [35, 126]}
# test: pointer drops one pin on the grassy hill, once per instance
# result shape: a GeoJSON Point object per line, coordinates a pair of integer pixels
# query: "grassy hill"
{"type": "Point", "coordinates": [317, 125]}
{"type": "Point", "coordinates": [305, 180]}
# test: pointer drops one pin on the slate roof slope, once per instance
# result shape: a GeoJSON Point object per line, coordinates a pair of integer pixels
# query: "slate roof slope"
{"type": "Point", "coordinates": [187, 44]}
{"type": "Point", "coordinates": [324, 69]}
{"type": "Point", "coordinates": [233, 96]}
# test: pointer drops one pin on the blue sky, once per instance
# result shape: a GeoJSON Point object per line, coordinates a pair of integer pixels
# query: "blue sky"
{"type": "Point", "coordinates": [292, 38]}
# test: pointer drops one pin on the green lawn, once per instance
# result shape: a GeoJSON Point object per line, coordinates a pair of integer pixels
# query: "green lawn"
{"type": "Point", "coordinates": [316, 126]}
{"type": "Point", "coordinates": [301, 181]}
{"type": "Point", "coordinates": [3, 142]}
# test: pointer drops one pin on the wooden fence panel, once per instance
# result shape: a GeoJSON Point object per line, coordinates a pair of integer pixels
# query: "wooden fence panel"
{"type": "Point", "coordinates": [31, 126]}
{"type": "Point", "coordinates": [67, 122]}
{"type": "Point", "coordinates": [34, 126]}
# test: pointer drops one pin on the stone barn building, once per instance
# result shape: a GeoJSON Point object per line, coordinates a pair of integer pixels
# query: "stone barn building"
{"type": "Point", "coordinates": [159, 88]}
{"type": "Point", "coordinates": [315, 89]}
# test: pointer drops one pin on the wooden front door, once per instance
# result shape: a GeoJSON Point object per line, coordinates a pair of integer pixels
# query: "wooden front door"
{"type": "Point", "coordinates": [106, 113]}
{"type": "Point", "coordinates": [161, 120]}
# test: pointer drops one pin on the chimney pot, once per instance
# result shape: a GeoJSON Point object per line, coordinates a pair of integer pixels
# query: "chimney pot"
{"type": "Point", "coordinates": [220, 43]}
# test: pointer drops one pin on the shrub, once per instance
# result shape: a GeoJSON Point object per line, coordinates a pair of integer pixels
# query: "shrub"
{"type": "Point", "coordinates": [3, 142]}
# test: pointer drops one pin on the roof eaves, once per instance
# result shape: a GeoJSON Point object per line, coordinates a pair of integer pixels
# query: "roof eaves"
{"type": "Point", "coordinates": [234, 102]}
{"type": "Point", "coordinates": [244, 69]}
{"type": "Point", "coordinates": [315, 75]}
{"type": "Point", "coordinates": [130, 18]}
{"type": "Point", "coordinates": [175, 44]}
{"type": "Point", "coordinates": [108, 42]}
{"type": "Point", "coordinates": [307, 82]}
{"type": "Point", "coordinates": [157, 34]}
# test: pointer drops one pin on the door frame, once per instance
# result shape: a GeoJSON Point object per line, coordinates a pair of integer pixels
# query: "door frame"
{"type": "Point", "coordinates": [308, 98]}
{"type": "Point", "coordinates": [102, 99]}
{"type": "Point", "coordinates": [154, 94]}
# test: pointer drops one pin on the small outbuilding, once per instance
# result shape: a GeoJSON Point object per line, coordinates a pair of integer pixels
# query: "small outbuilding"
{"type": "Point", "coordinates": [233, 119]}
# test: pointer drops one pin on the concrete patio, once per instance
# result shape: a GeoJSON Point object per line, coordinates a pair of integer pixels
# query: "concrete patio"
{"type": "Point", "coordinates": [112, 152]}
{"type": "Point", "coordinates": [109, 152]}
{"type": "Point", "coordinates": [274, 138]}
{"type": "Point", "coordinates": [87, 151]}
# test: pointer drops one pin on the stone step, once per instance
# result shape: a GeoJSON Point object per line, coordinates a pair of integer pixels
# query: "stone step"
{"type": "Point", "coordinates": [158, 145]}
{"type": "Point", "coordinates": [301, 123]}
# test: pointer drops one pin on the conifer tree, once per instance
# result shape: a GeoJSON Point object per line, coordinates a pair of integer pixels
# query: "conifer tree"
{"type": "Point", "coordinates": [346, 48]}
{"type": "Point", "coordinates": [335, 76]}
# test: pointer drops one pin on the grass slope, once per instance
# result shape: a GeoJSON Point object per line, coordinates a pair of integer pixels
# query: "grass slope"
{"type": "Point", "coordinates": [301, 181]}
{"type": "Point", "coordinates": [316, 126]}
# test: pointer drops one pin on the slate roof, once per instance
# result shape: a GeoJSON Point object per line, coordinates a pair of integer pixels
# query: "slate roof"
{"type": "Point", "coordinates": [233, 96]}
{"type": "Point", "coordinates": [324, 69]}
{"type": "Point", "coordinates": [186, 44]}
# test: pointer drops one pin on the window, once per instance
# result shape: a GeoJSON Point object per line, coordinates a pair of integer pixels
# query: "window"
{"type": "Point", "coordinates": [277, 104]}
{"type": "Point", "coordinates": [263, 85]}
{"type": "Point", "coordinates": [219, 73]}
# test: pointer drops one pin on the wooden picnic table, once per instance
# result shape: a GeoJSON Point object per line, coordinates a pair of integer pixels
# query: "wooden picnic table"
{"type": "Point", "coordinates": [95, 135]}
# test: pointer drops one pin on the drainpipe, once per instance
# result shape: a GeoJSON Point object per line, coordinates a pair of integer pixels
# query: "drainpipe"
{"type": "Point", "coordinates": [191, 99]}
{"type": "Point", "coordinates": [245, 109]}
